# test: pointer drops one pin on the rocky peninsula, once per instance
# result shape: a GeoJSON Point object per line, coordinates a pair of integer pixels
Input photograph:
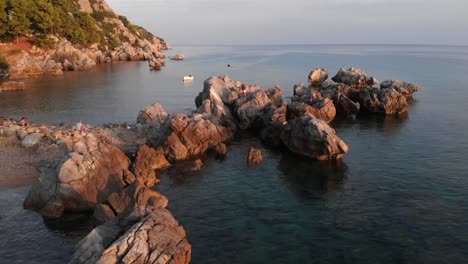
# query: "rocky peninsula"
{"type": "Point", "coordinates": [102, 36]}
{"type": "Point", "coordinates": [110, 170]}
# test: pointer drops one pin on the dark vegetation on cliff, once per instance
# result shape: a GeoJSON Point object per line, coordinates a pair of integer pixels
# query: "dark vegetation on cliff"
{"type": "Point", "coordinates": [3, 62]}
{"type": "Point", "coordinates": [40, 19]}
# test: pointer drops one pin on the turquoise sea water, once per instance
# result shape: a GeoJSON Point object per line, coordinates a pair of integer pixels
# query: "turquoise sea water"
{"type": "Point", "coordinates": [399, 196]}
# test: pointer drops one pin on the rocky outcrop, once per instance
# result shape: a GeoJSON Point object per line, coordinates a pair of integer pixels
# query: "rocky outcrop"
{"type": "Point", "coordinates": [133, 196]}
{"type": "Point", "coordinates": [323, 109]}
{"type": "Point", "coordinates": [146, 235]}
{"type": "Point", "coordinates": [185, 136]}
{"type": "Point", "coordinates": [11, 86]}
{"type": "Point", "coordinates": [314, 138]}
{"type": "Point", "coordinates": [147, 162]}
{"type": "Point", "coordinates": [318, 76]}
{"type": "Point", "coordinates": [220, 151]}
{"type": "Point", "coordinates": [30, 140]}
{"type": "Point", "coordinates": [82, 179]}
{"type": "Point", "coordinates": [255, 156]}
{"type": "Point", "coordinates": [122, 42]}
{"type": "Point", "coordinates": [156, 64]}
{"type": "Point", "coordinates": [153, 115]}
{"type": "Point", "coordinates": [355, 78]}
{"type": "Point", "coordinates": [178, 57]}
{"type": "Point", "coordinates": [218, 94]}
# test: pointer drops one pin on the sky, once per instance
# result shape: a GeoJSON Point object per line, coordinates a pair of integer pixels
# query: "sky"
{"type": "Point", "coordinates": [295, 22]}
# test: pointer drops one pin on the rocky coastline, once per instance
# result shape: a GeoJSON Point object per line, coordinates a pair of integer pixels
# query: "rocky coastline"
{"type": "Point", "coordinates": [110, 170]}
{"type": "Point", "coordinates": [27, 60]}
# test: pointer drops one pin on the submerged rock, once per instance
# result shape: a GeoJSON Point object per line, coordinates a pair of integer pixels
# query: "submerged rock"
{"type": "Point", "coordinates": [178, 57]}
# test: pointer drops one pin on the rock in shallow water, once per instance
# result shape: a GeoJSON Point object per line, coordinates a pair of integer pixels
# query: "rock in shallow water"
{"type": "Point", "coordinates": [314, 138]}
{"type": "Point", "coordinates": [146, 235]}
{"type": "Point", "coordinates": [255, 156]}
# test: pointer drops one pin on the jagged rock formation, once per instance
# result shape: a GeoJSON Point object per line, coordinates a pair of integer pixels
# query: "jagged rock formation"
{"type": "Point", "coordinates": [355, 78]}
{"type": "Point", "coordinates": [222, 109]}
{"type": "Point", "coordinates": [147, 162]}
{"type": "Point", "coordinates": [147, 234]}
{"type": "Point", "coordinates": [133, 196]}
{"type": "Point", "coordinates": [352, 91]}
{"type": "Point", "coordinates": [82, 179]}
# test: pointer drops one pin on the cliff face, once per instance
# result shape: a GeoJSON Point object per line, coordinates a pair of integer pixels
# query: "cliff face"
{"type": "Point", "coordinates": [119, 40]}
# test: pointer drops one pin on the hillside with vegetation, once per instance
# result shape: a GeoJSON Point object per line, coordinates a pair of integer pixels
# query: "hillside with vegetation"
{"type": "Point", "coordinates": [75, 31]}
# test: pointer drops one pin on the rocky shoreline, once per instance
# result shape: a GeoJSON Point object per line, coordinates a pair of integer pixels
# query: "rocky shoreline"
{"type": "Point", "coordinates": [110, 170]}
{"type": "Point", "coordinates": [27, 60]}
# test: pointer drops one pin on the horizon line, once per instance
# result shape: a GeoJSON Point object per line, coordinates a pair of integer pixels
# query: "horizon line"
{"type": "Point", "coordinates": [330, 44]}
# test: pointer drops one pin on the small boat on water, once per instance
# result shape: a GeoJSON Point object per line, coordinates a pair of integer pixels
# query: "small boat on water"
{"type": "Point", "coordinates": [188, 78]}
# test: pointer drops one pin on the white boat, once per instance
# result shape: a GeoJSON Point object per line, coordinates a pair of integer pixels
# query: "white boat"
{"type": "Point", "coordinates": [188, 78]}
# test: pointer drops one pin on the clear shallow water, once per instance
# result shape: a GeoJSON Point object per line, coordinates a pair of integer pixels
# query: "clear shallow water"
{"type": "Point", "coordinates": [399, 196]}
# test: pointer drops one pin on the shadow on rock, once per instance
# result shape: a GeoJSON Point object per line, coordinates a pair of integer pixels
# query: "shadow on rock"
{"type": "Point", "coordinates": [313, 179]}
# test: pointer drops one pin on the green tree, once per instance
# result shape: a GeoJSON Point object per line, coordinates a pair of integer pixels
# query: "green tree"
{"type": "Point", "coordinates": [19, 23]}
{"type": "Point", "coordinates": [43, 16]}
{"type": "Point", "coordinates": [3, 17]}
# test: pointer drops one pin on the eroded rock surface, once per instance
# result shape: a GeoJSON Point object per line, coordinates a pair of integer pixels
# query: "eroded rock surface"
{"type": "Point", "coordinates": [147, 162]}
{"type": "Point", "coordinates": [82, 179]}
{"type": "Point", "coordinates": [314, 138]}
{"type": "Point", "coordinates": [146, 235]}
{"type": "Point", "coordinates": [133, 196]}
{"type": "Point", "coordinates": [355, 78]}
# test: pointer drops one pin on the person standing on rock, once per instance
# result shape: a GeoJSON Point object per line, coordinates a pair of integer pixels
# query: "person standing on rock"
{"type": "Point", "coordinates": [23, 122]}
{"type": "Point", "coordinates": [244, 89]}
{"type": "Point", "coordinates": [78, 126]}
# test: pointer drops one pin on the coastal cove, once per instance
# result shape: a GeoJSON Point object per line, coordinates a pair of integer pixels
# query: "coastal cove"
{"type": "Point", "coordinates": [398, 196]}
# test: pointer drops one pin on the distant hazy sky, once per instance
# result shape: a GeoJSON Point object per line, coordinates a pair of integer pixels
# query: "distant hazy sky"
{"type": "Point", "coordinates": [301, 21]}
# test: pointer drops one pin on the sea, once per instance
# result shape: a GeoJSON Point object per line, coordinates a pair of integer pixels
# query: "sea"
{"type": "Point", "coordinates": [399, 196]}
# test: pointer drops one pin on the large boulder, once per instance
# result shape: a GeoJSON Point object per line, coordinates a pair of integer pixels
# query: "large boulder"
{"type": "Point", "coordinates": [31, 140]}
{"type": "Point", "coordinates": [404, 88]}
{"type": "Point", "coordinates": [133, 196]}
{"type": "Point", "coordinates": [323, 109]}
{"type": "Point", "coordinates": [189, 136]}
{"type": "Point", "coordinates": [354, 77]}
{"type": "Point", "coordinates": [318, 76]}
{"type": "Point", "coordinates": [82, 179]}
{"type": "Point", "coordinates": [147, 162]}
{"type": "Point", "coordinates": [383, 101]}
{"type": "Point", "coordinates": [215, 99]}
{"type": "Point", "coordinates": [146, 235]}
{"type": "Point", "coordinates": [153, 115]}
{"type": "Point", "coordinates": [250, 108]}
{"type": "Point", "coordinates": [344, 97]}
{"type": "Point", "coordinates": [314, 138]}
